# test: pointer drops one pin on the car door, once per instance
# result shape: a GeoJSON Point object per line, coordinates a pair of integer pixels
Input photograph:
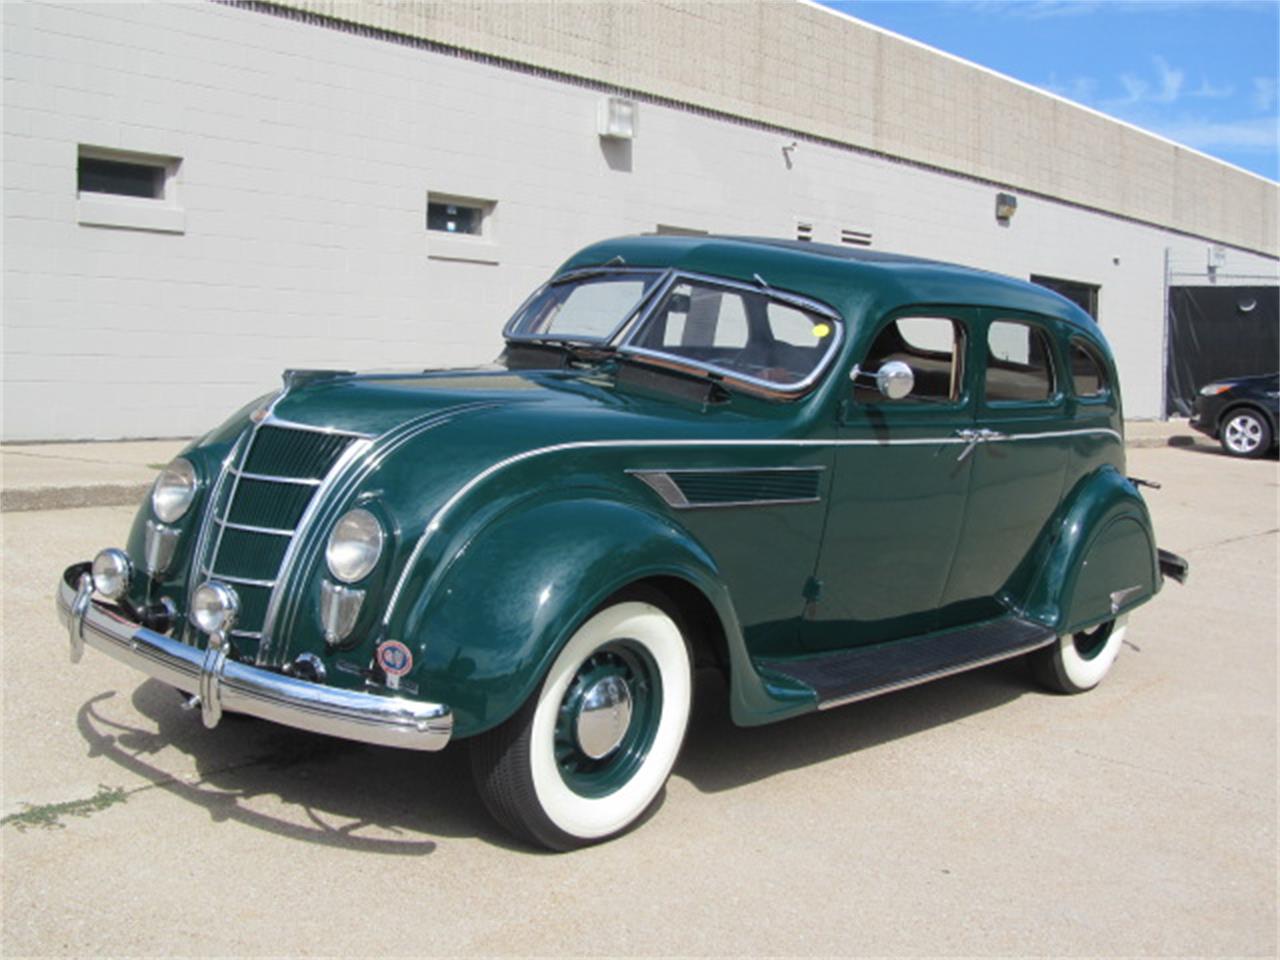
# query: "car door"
{"type": "Point", "coordinates": [1019, 469]}
{"type": "Point", "coordinates": [899, 487]}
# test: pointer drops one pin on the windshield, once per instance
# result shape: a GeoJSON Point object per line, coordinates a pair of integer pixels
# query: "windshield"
{"type": "Point", "coordinates": [744, 333]}
{"type": "Point", "coordinates": [588, 307]}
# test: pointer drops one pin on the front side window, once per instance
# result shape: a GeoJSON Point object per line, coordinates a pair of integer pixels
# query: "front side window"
{"type": "Point", "coordinates": [587, 308]}
{"type": "Point", "coordinates": [933, 347]}
{"type": "Point", "coordinates": [1019, 368]}
{"type": "Point", "coordinates": [743, 333]}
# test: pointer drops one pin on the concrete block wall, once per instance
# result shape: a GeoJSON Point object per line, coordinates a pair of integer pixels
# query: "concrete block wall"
{"type": "Point", "coordinates": [307, 154]}
{"type": "Point", "coordinates": [804, 67]}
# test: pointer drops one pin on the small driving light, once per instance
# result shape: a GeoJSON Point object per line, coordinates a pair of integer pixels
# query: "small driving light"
{"type": "Point", "coordinates": [354, 545]}
{"type": "Point", "coordinates": [1213, 389]}
{"type": "Point", "coordinates": [214, 607]}
{"type": "Point", "coordinates": [111, 572]}
{"type": "Point", "coordinates": [174, 490]}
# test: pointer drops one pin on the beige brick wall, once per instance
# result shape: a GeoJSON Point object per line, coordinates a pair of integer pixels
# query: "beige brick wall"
{"type": "Point", "coordinates": [801, 67]}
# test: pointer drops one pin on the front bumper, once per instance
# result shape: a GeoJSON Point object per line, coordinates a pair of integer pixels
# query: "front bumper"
{"type": "Point", "coordinates": [367, 717]}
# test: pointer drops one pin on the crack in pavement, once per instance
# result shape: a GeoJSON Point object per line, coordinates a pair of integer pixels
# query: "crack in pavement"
{"type": "Point", "coordinates": [1243, 536]}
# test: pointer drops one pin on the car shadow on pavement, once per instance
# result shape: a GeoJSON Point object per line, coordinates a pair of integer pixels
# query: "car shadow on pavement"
{"type": "Point", "coordinates": [720, 756]}
{"type": "Point", "coordinates": [289, 782]}
{"type": "Point", "coordinates": [380, 800]}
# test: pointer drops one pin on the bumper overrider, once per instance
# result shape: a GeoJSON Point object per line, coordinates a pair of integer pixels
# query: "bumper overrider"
{"type": "Point", "coordinates": [222, 683]}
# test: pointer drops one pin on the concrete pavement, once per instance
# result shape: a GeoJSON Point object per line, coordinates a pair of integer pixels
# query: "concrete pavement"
{"type": "Point", "coordinates": [973, 816]}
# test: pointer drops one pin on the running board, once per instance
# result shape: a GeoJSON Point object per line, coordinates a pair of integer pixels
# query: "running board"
{"type": "Point", "coordinates": [852, 675]}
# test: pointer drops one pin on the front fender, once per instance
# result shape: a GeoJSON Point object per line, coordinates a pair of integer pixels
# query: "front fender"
{"type": "Point", "coordinates": [510, 596]}
{"type": "Point", "coordinates": [1098, 555]}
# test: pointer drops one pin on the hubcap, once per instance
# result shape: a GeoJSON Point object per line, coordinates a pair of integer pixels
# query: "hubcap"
{"type": "Point", "coordinates": [608, 719]}
{"type": "Point", "coordinates": [1243, 434]}
{"type": "Point", "coordinates": [603, 717]}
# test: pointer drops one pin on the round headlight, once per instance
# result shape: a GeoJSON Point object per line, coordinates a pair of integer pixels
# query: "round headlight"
{"type": "Point", "coordinates": [111, 572]}
{"type": "Point", "coordinates": [354, 546]}
{"type": "Point", "coordinates": [214, 607]}
{"type": "Point", "coordinates": [174, 490]}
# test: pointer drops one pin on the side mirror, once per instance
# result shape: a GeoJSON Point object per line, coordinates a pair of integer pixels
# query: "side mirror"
{"type": "Point", "coordinates": [895, 379]}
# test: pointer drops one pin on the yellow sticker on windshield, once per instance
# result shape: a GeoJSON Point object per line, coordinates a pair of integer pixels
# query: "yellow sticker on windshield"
{"type": "Point", "coordinates": [821, 330]}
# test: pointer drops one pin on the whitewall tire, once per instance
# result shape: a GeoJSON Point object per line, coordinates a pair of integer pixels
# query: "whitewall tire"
{"type": "Point", "coordinates": [589, 753]}
{"type": "Point", "coordinates": [1077, 662]}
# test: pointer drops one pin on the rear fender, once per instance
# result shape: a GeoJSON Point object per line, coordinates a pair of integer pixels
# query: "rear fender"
{"type": "Point", "coordinates": [1097, 557]}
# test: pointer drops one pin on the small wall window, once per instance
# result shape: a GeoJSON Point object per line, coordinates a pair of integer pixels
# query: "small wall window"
{"type": "Point", "coordinates": [933, 347]}
{"type": "Point", "coordinates": [118, 188]}
{"type": "Point", "coordinates": [96, 175]}
{"type": "Point", "coordinates": [460, 216]}
{"type": "Point", "coordinates": [1088, 378]}
{"type": "Point", "coordinates": [1083, 295]}
{"type": "Point", "coordinates": [1019, 367]}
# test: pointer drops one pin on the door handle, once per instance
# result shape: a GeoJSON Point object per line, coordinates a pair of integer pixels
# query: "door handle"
{"type": "Point", "coordinates": [984, 435]}
{"type": "Point", "coordinates": [971, 438]}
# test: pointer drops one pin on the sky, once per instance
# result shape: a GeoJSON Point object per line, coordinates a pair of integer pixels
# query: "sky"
{"type": "Point", "coordinates": [1203, 74]}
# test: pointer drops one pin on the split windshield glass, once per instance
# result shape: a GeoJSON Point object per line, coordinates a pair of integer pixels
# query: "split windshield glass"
{"type": "Point", "coordinates": [582, 308]}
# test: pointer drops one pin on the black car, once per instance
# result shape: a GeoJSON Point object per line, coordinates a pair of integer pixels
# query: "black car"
{"type": "Point", "coordinates": [1240, 413]}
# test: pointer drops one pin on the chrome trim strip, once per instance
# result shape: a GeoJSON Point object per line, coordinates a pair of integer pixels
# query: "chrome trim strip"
{"type": "Point", "coordinates": [274, 531]}
{"type": "Point", "coordinates": [438, 518]}
{"type": "Point", "coordinates": [247, 634]}
{"type": "Point", "coordinates": [937, 674]}
{"type": "Point", "coordinates": [206, 561]}
{"type": "Point", "coordinates": [211, 510]}
{"type": "Point", "coordinates": [351, 714]}
{"type": "Point", "coordinates": [271, 420]}
{"type": "Point", "coordinates": [243, 581]}
{"type": "Point", "coordinates": [270, 478]}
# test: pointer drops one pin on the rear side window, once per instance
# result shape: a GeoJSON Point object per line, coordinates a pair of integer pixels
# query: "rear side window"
{"type": "Point", "coordinates": [1019, 363]}
{"type": "Point", "coordinates": [933, 347]}
{"type": "Point", "coordinates": [1088, 373]}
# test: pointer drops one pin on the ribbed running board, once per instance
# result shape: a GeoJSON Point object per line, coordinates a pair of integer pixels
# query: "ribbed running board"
{"type": "Point", "coordinates": [867, 672]}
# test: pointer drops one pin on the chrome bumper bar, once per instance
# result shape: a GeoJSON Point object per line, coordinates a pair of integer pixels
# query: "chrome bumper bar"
{"type": "Point", "coordinates": [354, 715]}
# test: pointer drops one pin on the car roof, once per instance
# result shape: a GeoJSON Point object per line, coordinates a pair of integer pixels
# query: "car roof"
{"type": "Point", "coordinates": [856, 281]}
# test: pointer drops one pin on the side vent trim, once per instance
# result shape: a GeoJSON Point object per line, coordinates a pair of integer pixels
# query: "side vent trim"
{"type": "Point", "coordinates": [684, 489]}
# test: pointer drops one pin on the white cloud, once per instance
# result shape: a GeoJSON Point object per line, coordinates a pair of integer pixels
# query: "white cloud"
{"type": "Point", "coordinates": [1207, 91]}
{"type": "Point", "coordinates": [1138, 90]}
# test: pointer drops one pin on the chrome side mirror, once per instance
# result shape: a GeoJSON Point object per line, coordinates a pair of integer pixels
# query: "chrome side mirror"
{"type": "Point", "coordinates": [895, 379]}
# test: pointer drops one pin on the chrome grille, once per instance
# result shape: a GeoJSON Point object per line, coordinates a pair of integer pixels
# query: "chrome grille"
{"type": "Point", "coordinates": [270, 488]}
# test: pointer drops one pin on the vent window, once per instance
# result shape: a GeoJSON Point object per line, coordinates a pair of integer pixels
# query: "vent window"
{"type": "Point", "coordinates": [855, 238]}
{"type": "Point", "coordinates": [804, 230]}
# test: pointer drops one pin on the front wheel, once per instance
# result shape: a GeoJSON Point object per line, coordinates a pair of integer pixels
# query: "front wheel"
{"type": "Point", "coordinates": [1078, 661]}
{"type": "Point", "coordinates": [1246, 433]}
{"type": "Point", "coordinates": [586, 756]}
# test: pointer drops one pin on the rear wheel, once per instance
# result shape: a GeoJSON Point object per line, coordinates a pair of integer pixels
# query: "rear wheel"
{"type": "Point", "coordinates": [587, 755]}
{"type": "Point", "coordinates": [1245, 433]}
{"type": "Point", "coordinates": [1078, 661]}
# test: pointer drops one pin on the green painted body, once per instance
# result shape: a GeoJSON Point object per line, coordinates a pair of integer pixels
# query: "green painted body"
{"type": "Point", "coordinates": [511, 516]}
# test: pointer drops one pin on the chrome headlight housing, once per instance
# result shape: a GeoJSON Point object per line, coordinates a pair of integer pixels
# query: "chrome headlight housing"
{"type": "Point", "coordinates": [174, 490]}
{"type": "Point", "coordinates": [214, 607]}
{"type": "Point", "coordinates": [111, 573]}
{"type": "Point", "coordinates": [354, 545]}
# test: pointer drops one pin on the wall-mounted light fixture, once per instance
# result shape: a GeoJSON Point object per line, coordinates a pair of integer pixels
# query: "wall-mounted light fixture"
{"type": "Point", "coordinates": [1006, 207]}
{"type": "Point", "coordinates": [616, 118]}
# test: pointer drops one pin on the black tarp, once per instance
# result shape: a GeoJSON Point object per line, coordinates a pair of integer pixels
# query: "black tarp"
{"type": "Point", "coordinates": [1217, 332]}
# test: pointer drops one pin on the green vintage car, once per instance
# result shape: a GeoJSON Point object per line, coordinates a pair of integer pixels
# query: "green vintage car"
{"type": "Point", "coordinates": [827, 472]}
